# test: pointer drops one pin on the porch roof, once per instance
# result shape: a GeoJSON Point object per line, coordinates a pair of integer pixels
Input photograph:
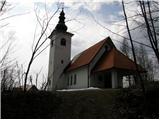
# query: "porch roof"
{"type": "Point", "coordinates": [115, 59]}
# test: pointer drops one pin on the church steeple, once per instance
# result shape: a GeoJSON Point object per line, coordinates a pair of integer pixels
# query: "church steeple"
{"type": "Point", "coordinates": [61, 27]}
{"type": "Point", "coordinates": [60, 54]}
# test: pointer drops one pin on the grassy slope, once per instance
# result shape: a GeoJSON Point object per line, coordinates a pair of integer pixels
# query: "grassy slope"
{"type": "Point", "coordinates": [107, 103]}
{"type": "Point", "coordinates": [86, 104]}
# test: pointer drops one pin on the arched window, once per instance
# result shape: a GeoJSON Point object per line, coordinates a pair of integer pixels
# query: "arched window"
{"type": "Point", "coordinates": [63, 42]}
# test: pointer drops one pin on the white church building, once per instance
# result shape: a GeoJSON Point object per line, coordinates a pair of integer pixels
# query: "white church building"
{"type": "Point", "coordinates": [101, 65]}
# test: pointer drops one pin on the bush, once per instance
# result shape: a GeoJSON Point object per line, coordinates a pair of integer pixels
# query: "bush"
{"type": "Point", "coordinates": [29, 105]}
{"type": "Point", "coordinates": [130, 103]}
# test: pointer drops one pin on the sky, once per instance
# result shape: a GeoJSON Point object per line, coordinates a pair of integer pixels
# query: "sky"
{"type": "Point", "coordinates": [82, 17]}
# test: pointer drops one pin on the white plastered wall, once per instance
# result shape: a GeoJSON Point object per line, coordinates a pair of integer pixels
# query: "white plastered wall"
{"type": "Point", "coordinates": [81, 78]}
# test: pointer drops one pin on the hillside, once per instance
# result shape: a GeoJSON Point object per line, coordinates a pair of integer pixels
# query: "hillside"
{"type": "Point", "coordinates": [105, 103]}
{"type": "Point", "coordinates": [87, 104]}
{"type": "Point", "coordinates": [108, 103]}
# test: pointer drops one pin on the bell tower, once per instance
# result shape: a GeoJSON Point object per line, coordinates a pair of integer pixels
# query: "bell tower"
{"type": "Point", "coordinates": [60, 54]}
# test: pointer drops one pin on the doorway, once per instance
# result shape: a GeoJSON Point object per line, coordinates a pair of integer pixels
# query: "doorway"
{"type": "Point", "coordinates": [108, 81]}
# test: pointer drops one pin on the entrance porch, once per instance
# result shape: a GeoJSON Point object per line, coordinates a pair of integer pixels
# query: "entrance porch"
{"type": "Point", "coordinates": [112, 79]}
{"type": "Point", "coordinates": [111, 69]}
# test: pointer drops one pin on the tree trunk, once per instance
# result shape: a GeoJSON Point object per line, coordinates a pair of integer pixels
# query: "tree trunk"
{"type": "Point", "coordinates": [133, 51]}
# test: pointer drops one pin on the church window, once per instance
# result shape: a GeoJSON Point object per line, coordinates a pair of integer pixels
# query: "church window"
{"type": "Point", "coordinates": [71, 80]}
{"type": "Point", "coordinates": [68, 81]}
{"type": "Point", "coordinates": [63, 42]}
{"type": "Point", "coordinates": [62, 61]}
{"type": "Point", "coordinates": [75, 79]}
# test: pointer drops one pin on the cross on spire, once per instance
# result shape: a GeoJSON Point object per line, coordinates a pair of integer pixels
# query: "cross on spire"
{"type": "Point", "coordinates": [62, 5]}
{"type": "Point", "coordinates": [61, 24]}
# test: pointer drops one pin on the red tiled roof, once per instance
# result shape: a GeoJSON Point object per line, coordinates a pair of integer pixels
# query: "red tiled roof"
{"type": "Point", "coordinates": [86, 56]}
{"type": "Point", "coordinates": [115, 59]}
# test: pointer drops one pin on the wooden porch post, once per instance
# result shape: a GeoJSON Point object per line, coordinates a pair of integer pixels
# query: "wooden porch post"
{"type": "Point", "coordinates": [129, 80]}
{"type": "Point", "coordinates": [114, 79]}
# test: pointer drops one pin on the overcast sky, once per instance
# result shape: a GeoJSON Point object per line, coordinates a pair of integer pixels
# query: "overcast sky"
{"type": "Point", "coordinates": [80, 19]}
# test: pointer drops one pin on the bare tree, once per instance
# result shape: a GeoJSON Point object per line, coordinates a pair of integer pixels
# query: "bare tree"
{"type": "Point", "coordinates": [39, 43]}
{"type": "Point", "coordinates": [11, 74]}
{"type": "Point", "coordinates": [20, 74]}
{"type": "Point", "coordinates": [133, 50]}
{"type": "Point", "coordinates": [44, 83]}
{"type": "Point", "coordinates": [5, 7]}
{"type": "Point", "coordinates": [6, 48]}
{"type": "Point", "coordinates": [37, 78]}
{"type": "Point", "coordinates": [125, 48]}
{"type": "Point", "coordinates": [145, 62]}
{"type": "Point", "coordinates": [7, 64]}
{"type": "Point", "coordinates": [147, 14]}
{"type": "Point", "coordinates": [7, 41]}
{"type": "Point", "coordinates": [4, 80]}
{"type": "Point", "coordinates": [9, 77]}
{"type": "Point", "coordinates": [31, 79]}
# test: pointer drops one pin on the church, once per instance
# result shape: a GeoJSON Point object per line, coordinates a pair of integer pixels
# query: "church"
{"type": "Point", "coordinates": [101, 65]}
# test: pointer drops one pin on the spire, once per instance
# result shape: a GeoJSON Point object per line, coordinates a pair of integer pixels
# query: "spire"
{"type": "Point", "coordinates": [61, 24]}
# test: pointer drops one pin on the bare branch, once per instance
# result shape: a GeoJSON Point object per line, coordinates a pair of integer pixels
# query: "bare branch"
{"type": "Point", "coordinates": [37, 47]}
{"type": "Point", "coordinates": [153, 42]}
{"type": "Point", "coordinates": [13, 16]}
{"type": "Point", "coordinates": [41, 51]}
{"type": "Point", "coordinates": [118, 34]}
{"type": "Point", "coordinates": [3, 3]}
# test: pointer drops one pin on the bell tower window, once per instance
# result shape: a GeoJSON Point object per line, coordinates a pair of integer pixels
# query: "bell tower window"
{"type": "Point", "coordinates": [63, 42]}
{"type": "Point", "coordinates": [61, 61]}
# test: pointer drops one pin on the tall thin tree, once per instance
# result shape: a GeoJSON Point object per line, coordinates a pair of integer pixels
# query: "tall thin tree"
{"type": "Point", "coordinates": [133, 51]}
{"type": "Point", "coordinates": [151, 32]}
